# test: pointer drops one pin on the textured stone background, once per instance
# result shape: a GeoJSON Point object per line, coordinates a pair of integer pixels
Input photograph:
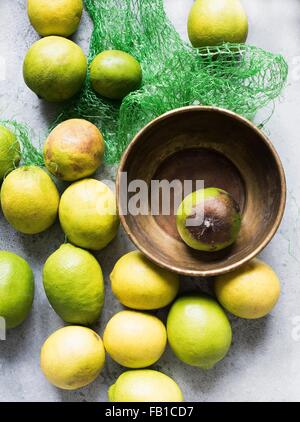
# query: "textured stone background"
{"type": "Point", "coordinates": [264, 362]}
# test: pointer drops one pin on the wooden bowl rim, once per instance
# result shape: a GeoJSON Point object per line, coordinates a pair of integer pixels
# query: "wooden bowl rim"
{"type": "Point", "coordinates": [267, 239]}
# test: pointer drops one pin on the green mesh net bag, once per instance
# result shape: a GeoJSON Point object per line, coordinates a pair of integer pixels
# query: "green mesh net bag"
{"type": "Point", "coordinates": [30, 154]}
{"type": "Point", "coordinates": [241, 78]}
{"type": "Point", "coordinates": [238, 77]}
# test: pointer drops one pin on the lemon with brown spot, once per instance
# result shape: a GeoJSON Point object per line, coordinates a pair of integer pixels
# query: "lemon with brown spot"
{"type": "Point", "coordinates": [249, 292]}
{"type": "Point", "coordinates": [135, 339]}
{"type": "Point", "coordinates": [72, 357]}
{"type": "Point", "coordinates": [74, 149]}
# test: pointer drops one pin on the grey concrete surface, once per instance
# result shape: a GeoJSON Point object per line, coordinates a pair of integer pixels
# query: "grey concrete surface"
{"type": "Point", "coordinates": [264, 361]}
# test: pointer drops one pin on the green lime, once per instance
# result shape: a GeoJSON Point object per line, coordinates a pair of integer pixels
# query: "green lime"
{"type": "Point", "coordinates": [145, 385]}
{"type": "Point", "coordinates": [114, 74]}
{"type": "Point", "coordinates": [73, 283]}
{"type": "Point", "coordinates": [29, 200]}
{"type": "Point", "coordinates": [16, 289]}
{"type": "Point", "coordinates": [213, 22]}
{"type": "Point", "coordinates": [55, 68]}
{"type": "Point", "coordinates": [55, 17]}
{"type": "Point", "coordinates": [198, 330]}
{"type": "Point", "coordinates": [9, 151]}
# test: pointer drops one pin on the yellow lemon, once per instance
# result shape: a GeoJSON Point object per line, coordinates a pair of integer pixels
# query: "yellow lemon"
{"type": "Point", "coordinates": [142, 285]}
{"type": "Point", "coordinates": [213, 22]}
{"type": "Point", "coordinates": [55, 17]}
{"type": "Point", "coordinates": [72, 357]}
{"type": "Point", "coordinates": [145, 385]}
{"type": "Point", "coordinates": [29, 200]}
{"type": "Point", "coordinates": [135, 339]}
{"type": "Point", "coordinates": [88, 214]}
{"type": "Point", "coordinates": [250, 292]}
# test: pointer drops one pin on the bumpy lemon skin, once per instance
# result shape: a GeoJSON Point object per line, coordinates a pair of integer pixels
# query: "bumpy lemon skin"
{"type": "Point", "coordinates": [250, 292]}
{"type": "Point", "coordinates": [145, 385]}
{"type": "Point", "coordinates": [140, 284]}
{"type": "Point", "coordinates": [55, 17]}
{"type": "Point", "coordinates": [74, 150]}
{"type": "Point", "coordinates": [213, 22]}
{"type": "Point", "coordinates": [55, 68]}
{"type": "Point", "coordinates": [199, 331]}
{"type": "Point", "coordinates": [72, 357]}
{"type": "Point", "coordinates": [135, 339]}
{"type": "Point", "coordinates": [114, 74]}
{"type": "Point", "coordinates": [73, 282]}
{"type": "Point", "coordinates": [29, 200]}
{"type": "Point", "coordinates": [16, 289]}
{"type": "Point", "coordinates": [88, 214]}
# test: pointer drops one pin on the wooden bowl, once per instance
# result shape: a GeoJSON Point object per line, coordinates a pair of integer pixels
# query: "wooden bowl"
{"type": "Point", "coordinates": [226, 151]}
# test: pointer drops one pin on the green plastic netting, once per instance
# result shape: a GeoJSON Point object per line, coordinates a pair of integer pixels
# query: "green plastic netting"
{"type": "Point", "coordinates": [30, 154]}
{"type": "Point", "coordinates": [238, 77]}
{"type": "Point", "coordinates": [241, 78]}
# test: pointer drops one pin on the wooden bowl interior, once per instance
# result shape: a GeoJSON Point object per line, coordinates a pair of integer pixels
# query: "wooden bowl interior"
{"type": "Point", "coordinates": [224, 151]}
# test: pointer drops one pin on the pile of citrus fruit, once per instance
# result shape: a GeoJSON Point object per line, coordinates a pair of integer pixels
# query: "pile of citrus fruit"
{"type": "Point", "coordinates": [197, 329]}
